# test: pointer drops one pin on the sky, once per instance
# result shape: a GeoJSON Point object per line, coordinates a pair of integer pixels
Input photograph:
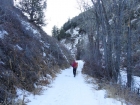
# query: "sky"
{"type": "Point", "coordinates": [58, 12]}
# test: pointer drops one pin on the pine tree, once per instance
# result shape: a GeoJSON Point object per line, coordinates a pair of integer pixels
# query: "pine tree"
{"type": "Point", "coordinates": [55, 32]}
{"type": "Point", "coordinates": [34, 10]}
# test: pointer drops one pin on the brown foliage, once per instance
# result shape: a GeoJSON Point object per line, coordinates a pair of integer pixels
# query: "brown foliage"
{"type": "Point", "coordinates": [93, 70]}
{"type": "Point", "coordinates": [121, 93]}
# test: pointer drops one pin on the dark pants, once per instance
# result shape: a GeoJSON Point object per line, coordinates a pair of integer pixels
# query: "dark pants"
{"type": "Point", "coordinates": [74, 72]}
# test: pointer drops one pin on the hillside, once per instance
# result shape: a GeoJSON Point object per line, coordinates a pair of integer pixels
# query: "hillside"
{"type": "Point", "coordinates": [28, 56]}
{"type": "Point", "coordinates": [77, 43]}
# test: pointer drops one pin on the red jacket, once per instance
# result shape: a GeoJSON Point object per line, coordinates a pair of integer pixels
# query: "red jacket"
{"type": "Point", "coordinates": [74, 64]}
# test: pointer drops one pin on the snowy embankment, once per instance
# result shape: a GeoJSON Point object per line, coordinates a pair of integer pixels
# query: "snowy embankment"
{"type": "Point", "coordinates": [69, 90]}
{"type": "Point", "coordinates": [136, 79]}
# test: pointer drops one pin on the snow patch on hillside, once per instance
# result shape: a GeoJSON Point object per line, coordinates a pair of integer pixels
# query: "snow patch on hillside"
{"type": "Point", "coordinates": [74, 40]}
{"type": "Point", "coordinates": [18, 47]}
{"type": "Point", "coordinates": [62, 53]}
{"type": "Point", "coordinates": [2, 34]}
{"type": "Point", "coordinates": [73, 32]}
{"type": "Point", "coordinates": [76, 31]}
{"type": "Point", "coordinates": [44, 54]}
{"type": "Point", "coordinates": [30, 27]}
{"type": "Point", "coordinates": [46, 45]}
{"type": "Point", "coordinates": [2, 63]}
{"type": "Point", "coordinates": [133, 21]}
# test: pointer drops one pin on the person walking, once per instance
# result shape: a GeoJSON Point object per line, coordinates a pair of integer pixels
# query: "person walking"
{"type": "Point", "coordinates": [74, 65]}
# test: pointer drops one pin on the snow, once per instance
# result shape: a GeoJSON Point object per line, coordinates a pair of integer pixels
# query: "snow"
{"type": "Point", "coordinates": [63, 53]}
{"type": "Point", "coordinates": [21, 93]}
{"type": "Point", "coordinates": [2, 33]}
{"type": "Point", "coordinates": [123, 77]}
{"type": "Point", "coordinates": [133, 21]}
{"type": "Point", "coordinates": [110, 21]}
{"type": "Point", "coordinates": [138, 6]}
{"type": "Point", "coordinates": [67, 45]}
{"type": "Point", "coordinates": [136, 80]}
{"type": "Point", "coordinates": [2, 62]}
{"type": "Point", "coordinates": [71, 43]}
{"type": "Point", "coordinates": [47, 45]}
{"type": "Point", "coordinates": [30, 27]}
{"type": "Point", "coordinates": [74, 31]}
{"type": "Point", "coordinates": [17, 46]}
{"type": "Point", "coordinates": [69, 90]}
{"type": "Point", "coordinates": [44, 54]}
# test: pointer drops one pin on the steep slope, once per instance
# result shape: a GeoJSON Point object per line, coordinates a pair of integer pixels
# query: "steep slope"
{"type": "Point", "coordinates": [27, 53]}
{"type": "Point", "coordinates": [77, 43]}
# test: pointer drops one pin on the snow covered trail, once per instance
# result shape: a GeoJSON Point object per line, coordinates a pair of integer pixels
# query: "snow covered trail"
{"type": "Point", "coordinates": [70, 90]}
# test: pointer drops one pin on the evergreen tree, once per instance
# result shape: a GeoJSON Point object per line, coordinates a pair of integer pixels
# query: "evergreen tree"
{"type": "Point", "coordinates": [67, 25]}
{"type": "Point", "coordinates": [62, 34]}
{"type": "Point", "coordinates": [55, 32]}
{"type": "Point", "coordinates": [35, 10]}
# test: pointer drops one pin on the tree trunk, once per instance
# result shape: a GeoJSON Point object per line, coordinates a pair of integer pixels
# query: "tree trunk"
{"type": "Point", "coordinates": [129, 60]}
{"type": "Point", "coordinates": [109, 40]}
{"type": "Point", "coordinates": [118, 32]}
